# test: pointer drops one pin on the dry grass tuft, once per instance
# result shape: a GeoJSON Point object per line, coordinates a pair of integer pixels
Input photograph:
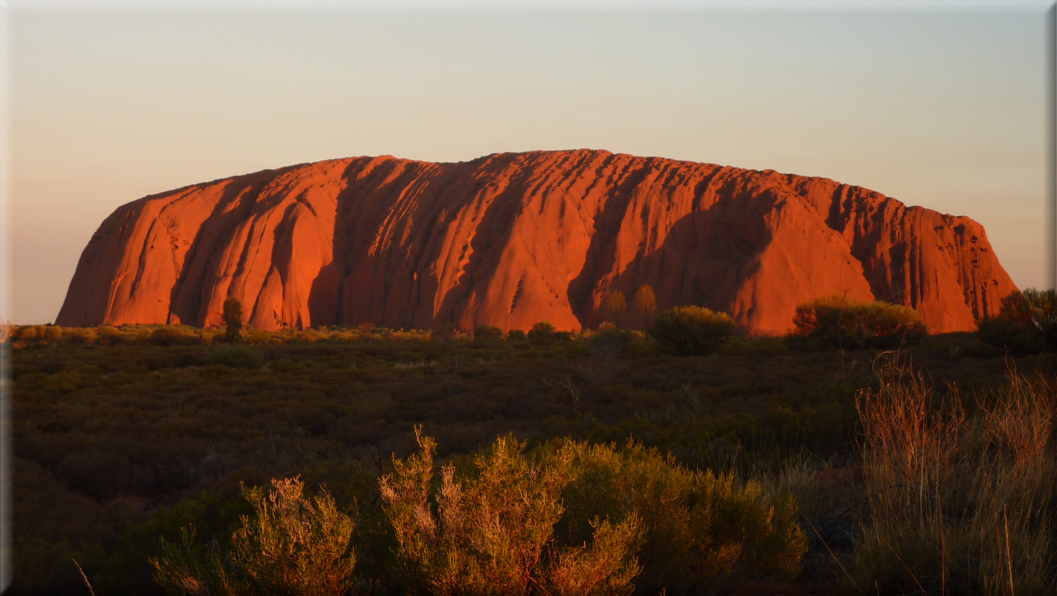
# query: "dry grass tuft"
{"type": "Point", "coordinates": [957, 504]}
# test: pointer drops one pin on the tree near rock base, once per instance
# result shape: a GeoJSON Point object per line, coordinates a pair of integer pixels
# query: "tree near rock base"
{"type": "Point", "coordinates": [233, 319]}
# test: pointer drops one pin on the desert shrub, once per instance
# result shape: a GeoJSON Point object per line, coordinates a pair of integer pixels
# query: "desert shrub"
{"type": "Point", "coordinates": [541, 330]}
{"type": "Point", "coordinates": [110, 335]}
{"type": "Point", "coordinates": [692, 330]}
{"type": "Point", "coordinates": [839, 322]}
{"type": "Point", "coordinates": [957, 504]}
{"type": "Point", "coordinates": [610, 342]}
{"type": "Point", "coordinates": [237, 357]}
{"type": "Point", "coordinates": [492, 527]}
{"type": "Point", "coordinates": [1025, 324]}
{"type": "Point", "coordinates": [173, 336]}
{"type": "Point", "coordinates": [445, 332]}
{"type": "Point", "coordinates": [30, 332]}
{"type": "Point", "coordinates": [487, 332]}
{"type": "Point", "coordinates": [516, 335]}
{"type": "Point", "coordinates": [260, 336]}
{"type": "Point", "coordinates": [308, 336]}
{"type": "Point", "coordinates": [52, 332]}
{"type": "Point", "coordinates": [78, 335]}
{"type": "Point", "coordinates": [291, 545]}
{"type": "Point", "coordinates": [700, 527]}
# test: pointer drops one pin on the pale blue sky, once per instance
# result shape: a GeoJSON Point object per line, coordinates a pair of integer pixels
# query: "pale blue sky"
{"type": "Point", "coordinates": [937, 104]}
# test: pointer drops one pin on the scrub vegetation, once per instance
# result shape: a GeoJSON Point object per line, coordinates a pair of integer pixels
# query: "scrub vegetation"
{"type": "Point", "coordinates": [362, 460]}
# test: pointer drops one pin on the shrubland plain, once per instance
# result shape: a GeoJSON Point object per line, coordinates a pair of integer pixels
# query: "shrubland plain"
{"type": "Point", "coordinates": [690, 459]}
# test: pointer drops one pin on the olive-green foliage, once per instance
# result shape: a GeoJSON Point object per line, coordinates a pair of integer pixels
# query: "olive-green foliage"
{"type": "Point", "coordinates": [487, 332]}
{"type": "Point", "coordinates": [445, 332]}
{"type": "Point", "coordinates": [493, 527]}
{"type": "Point", "coordinates": [1026, 323]}
{"type": "Point", "coordinates": [692, 330]}
{"type": "Point", "coordinates": [840, 322]}
{"type": "Point", "coordinates": [290, 545]}
{"type": "Point", "coordinates": [610, 342]}
{"type": "Point", "coordinates": [232, 319]}
{"type": "Point", "coordinates": [174, 336]}
{"type": "Point", "coordinates": [237, 357]}
{"type": "Point", "coordinates": [700, 526]}
{"type": "Point", "coordinates": [542, 330]}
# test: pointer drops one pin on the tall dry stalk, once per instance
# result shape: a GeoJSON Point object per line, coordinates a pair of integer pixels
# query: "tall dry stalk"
{"type": "Point", "coordinates": [957, 504]}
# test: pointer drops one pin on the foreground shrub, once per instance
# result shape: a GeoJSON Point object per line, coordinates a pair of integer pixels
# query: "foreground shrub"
{"type": "Point", "coordinates": [692, 330]}
{"type": "Point", "coordinates": [492, 531]}
{"type": "Point", "coordinates": [840, 322]}
{"type": "Point", "coordinates": [291, 545]}
{"type": "Point", "coordinates": [237, 357]}
{"type": "Point", "coordinates": [1025, 324]}
{"type": "Point", "coordinates": [701, 528]}
{"type": "Point", "coordinates": [958, 505]}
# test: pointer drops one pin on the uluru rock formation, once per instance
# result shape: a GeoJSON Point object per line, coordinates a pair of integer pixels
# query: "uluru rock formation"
{"type": "Point", "coordinates": [516, 238]}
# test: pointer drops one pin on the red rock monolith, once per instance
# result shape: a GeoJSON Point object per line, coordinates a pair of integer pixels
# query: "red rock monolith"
{"type": "Point", "coordinates": [517, 238]}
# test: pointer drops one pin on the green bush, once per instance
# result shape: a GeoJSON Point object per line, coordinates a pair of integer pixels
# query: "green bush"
{"type": "Point", "coordinates": [840, 322]}
{"type": "Point", "coordinates": [30, 332]}
{"type": "Point", "coordinates": [292, 545]}
{"type": "Point", "coordinates": [692, 330]}
{"type": "Point", "coordinates": [78, 335]}
{"type": "Point", "coordinates": [484, 530]}
{"type": "Point", "coordinates": [445, 332]}
{"type": "Point", "coordinates": [516, 335]}
{"type": "Point", "coordinates": [173, 336]}
{"type": "Point", "coordinates": [492, 531]}
{"type": "Point", "coordinates": [487, 332]}
{"type": "Point", "coordinates": [542, 330]}
{"type": "Point", "coordinates": [610, 342]}
{"type": "Point", "coordinates": [1025, 324]}
{"type": "Point", "coordinates": [700, 527]}
{"type": "Point", "coordinates": [237, 357]}
{"type": "Point", "coordinates": [111, 336]}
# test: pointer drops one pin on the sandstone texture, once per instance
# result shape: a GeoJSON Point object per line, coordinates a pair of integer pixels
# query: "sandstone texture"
{"type": "Point", "coordinates": [517, 238]}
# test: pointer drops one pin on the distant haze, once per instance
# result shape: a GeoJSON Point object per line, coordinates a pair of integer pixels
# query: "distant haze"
{"type": "Point", "coordinates": [942, 105]}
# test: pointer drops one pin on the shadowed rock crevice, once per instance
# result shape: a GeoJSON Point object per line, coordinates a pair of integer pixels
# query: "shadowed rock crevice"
{"type": "Point", "coordinates": [512, 239]}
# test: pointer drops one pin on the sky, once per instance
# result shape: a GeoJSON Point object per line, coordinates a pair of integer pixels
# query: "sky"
{"type": "Point", "coordinates": [939, 104]}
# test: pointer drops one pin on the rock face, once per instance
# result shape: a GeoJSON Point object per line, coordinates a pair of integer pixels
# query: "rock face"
{"type": "Point", "coordinates": [514, 239]}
